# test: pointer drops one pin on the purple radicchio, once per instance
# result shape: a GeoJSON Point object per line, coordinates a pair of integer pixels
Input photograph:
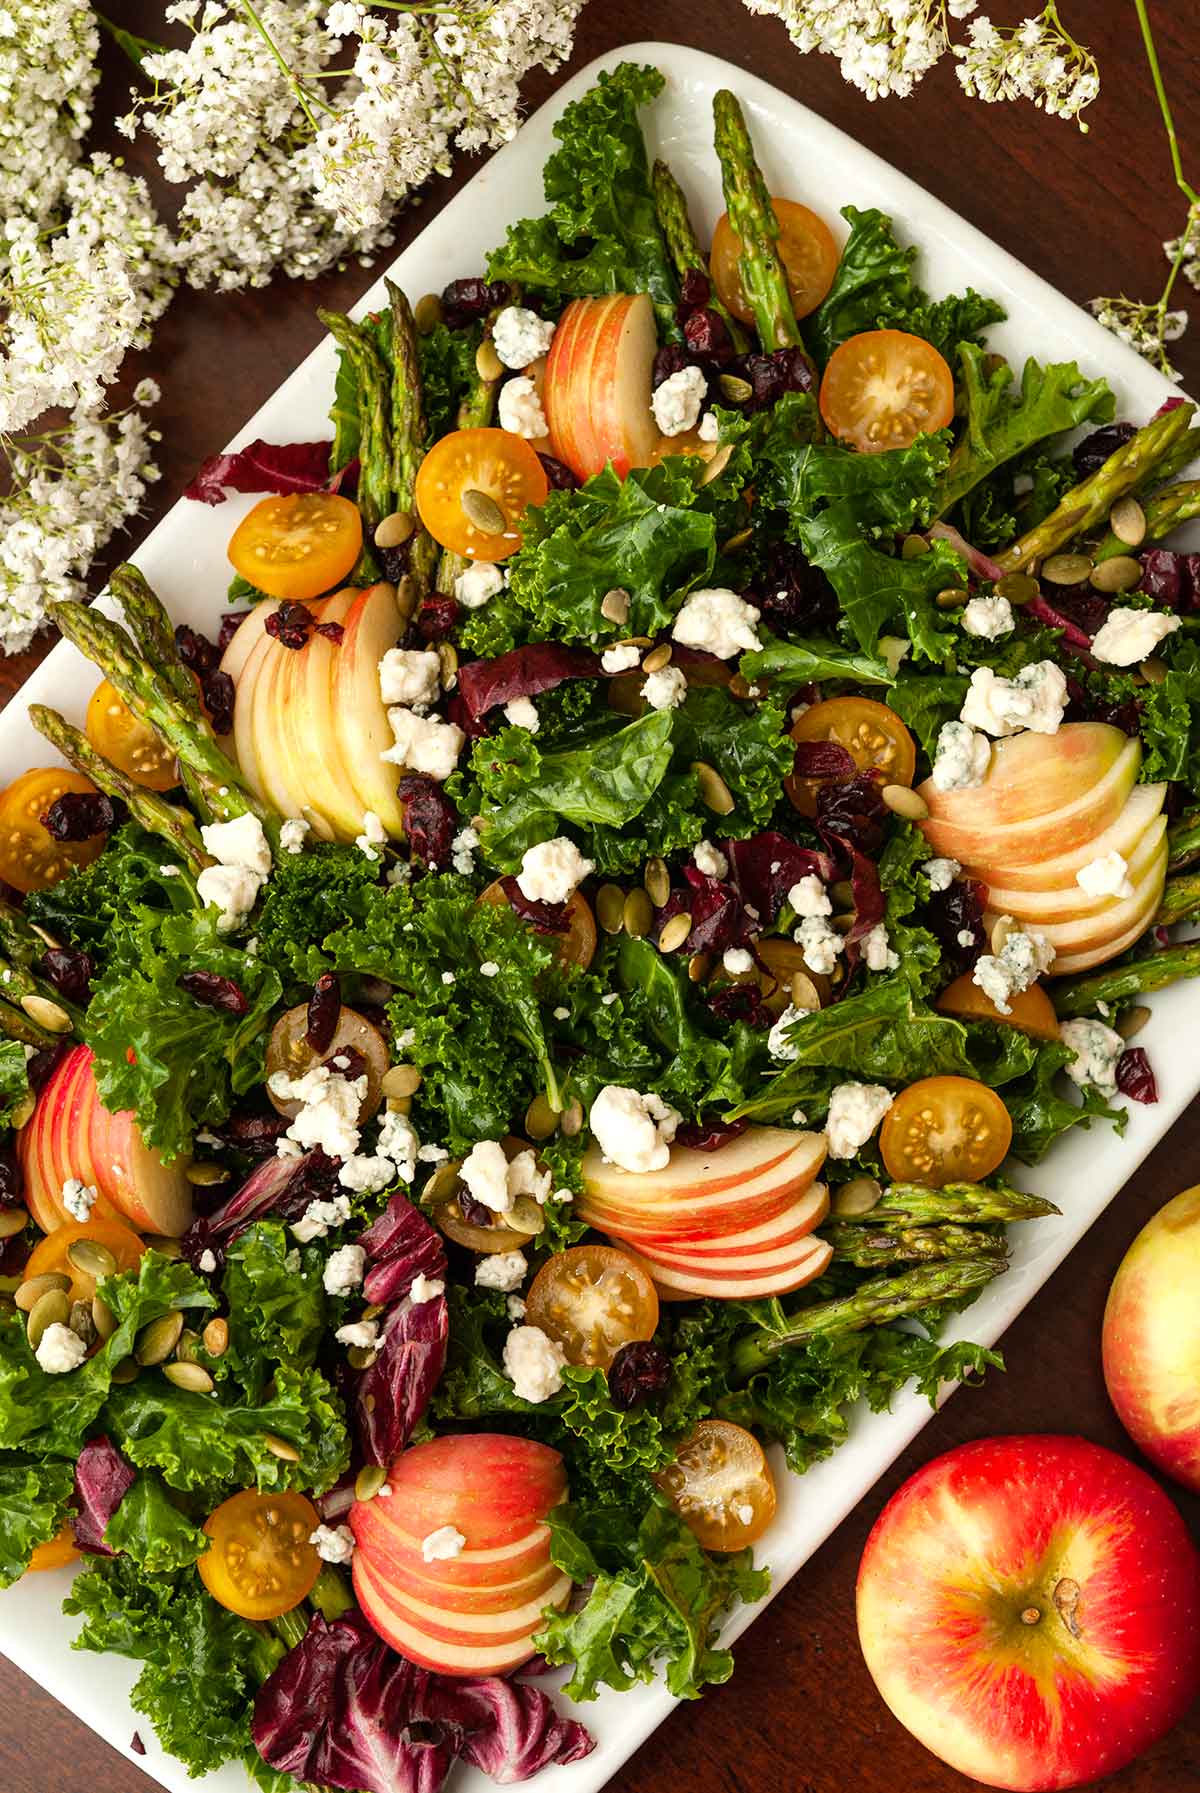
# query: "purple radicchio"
{"type": "Point", "coordinates": [392, 1395]}
{"type": "Point", "coordinates": [102, 1480]}
{"type": "Point", "coordinates": [263, 467]}
{"type": "Point", "coordinates": [544, 918]}
{"type": "Point", "coordinates": [400, 1246]}
{"type": "Point", "coordinates": [280, 1187]}
{"type": "Point", "coordinates": [764, 868]}
{"type": "Point", "coordinates": [709, 1136]}
{"type": "Point", "coordinates": [525, 672]}
{"type": "Point", "coordinates": [719, 917]}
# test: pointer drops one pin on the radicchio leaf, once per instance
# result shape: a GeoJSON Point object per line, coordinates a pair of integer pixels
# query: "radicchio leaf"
{"type": "Point", "coordinates": [1072, 635]}
{"type": "Point", "coordinates": [393, 1394]}
{"type": "Point", "coordinates": [719, 917]}
{"type": "Point", "coordinates": [709, 1136]}
{"type": "Point", "coordinates": [978, 563]}
{"type": "Point", "coordinates": [400, 1246]}
{"type": "Point", "coordinates": [525, 672]}
{"type": "Point", "coordinates": [262, 467]}
{"type": "Point", "coordinates": [102, 1480]}
{"type": "Point", "coordinates": [282, 1187]}
{"type": "Point", "coordinates": [954, 912]}
{"type": "Point", "coordinates": [764, 868]}
{"type": "Point", "coordinates": [853, 815]}
{"type": "Point", "coordinates": [869, 902]}
{"type": "Point", "coordinates": [508, 1729]}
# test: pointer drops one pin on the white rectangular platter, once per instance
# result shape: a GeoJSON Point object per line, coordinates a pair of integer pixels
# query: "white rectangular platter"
{"type": "Point", "coordinates": [184, 559]}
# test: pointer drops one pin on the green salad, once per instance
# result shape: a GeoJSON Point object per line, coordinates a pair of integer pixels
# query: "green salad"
{"type": "Point", "coordinates": [518, 1028]}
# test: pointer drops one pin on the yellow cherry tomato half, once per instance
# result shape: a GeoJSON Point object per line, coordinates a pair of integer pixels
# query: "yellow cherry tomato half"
{"type": "Point", "coordinates": [30, 857]}
{"type": "Point", "coordinates": [945, 1130]}
{"type": "Point", "coordinates": [288, 1051]}
{"type": "Point", "coordinates": [721, 1485]}
{"type": "Point", "coordinates": [882, 389]}
{"type": "Point", "coordinates": [1030, 1011]}
{"type": "Point", "coordinates": [806, 248]}
{"type": "Point", "coordinates": [298, 545]}
{"type": "Point", "coordinates": [577, 945]}
{"type": "Point", "coordinates": [55, 1553]}
{"type": "Point", "coordinates": [593, 1299]}
{"type": "Point", "coordinates": [131, 745]}
{"type": "Point", "coordinates": [49, 1255]}
{"type": "Point", "coordinates": [473, 488]}
{"type": "Point", "coordinates": [873, 736]}
{"type": "Point", "coordinates": [260, 1562]}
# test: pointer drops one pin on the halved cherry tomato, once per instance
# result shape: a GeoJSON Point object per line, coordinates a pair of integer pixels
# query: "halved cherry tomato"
{"type": "Point", "coordinates": [30, 857]}
{"type": "Point", "coordinates": [1030, 1011]}
{"type": "Point", "coordinates": [131, 745]}
{"type": "Point", "coordinates": [783, 959]}
{"type": "Point", "coordinates": [721, 1485]}
{"type": "Point", "coordinates": [806, 248]}
{"type": "Point", "coordinates": [884, 388]}
{"type": "Point", "coordinates": [50, 1253]}
{"type": "Point", "coordinates": [511, 1231]}
{"type": "Point", "coordinates": [55, 1553]}
{"type": "Point", "coordinates": [873, 736]}
{"type": "Point", "coordinates": [260, 1563]}
{"type": "Point", "coordinates": [289, 1051]}
{"type": "Point", "coordinates": [593, 1299]}
{"type": "Point", "coordinates": [577, 946]}
{"type": "Point", "coordinates": [945, 1130]}
{"type": "Point", "coordinates": [501, 466]}
{"type": "Point", "coordinates": [298, 545]}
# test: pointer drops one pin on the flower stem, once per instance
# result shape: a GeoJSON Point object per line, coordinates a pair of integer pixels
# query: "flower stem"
{"type": "Point", "coordinates": [1164, 104]}
{"type": "Point", "coordinates": [294, 82]}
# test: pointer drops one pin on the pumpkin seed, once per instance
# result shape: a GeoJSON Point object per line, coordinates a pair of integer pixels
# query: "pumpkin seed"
{"type": "Point", "coordinates": [394, 530]}
{"type": "Point", "coordinates": [401, 1080]}
{"type": "Point", "coordinates": [103, 1318]}
{"type": "Point", "coordinates": [22, 1114]}
{"type": "Point", "coordinates": [427, 313]}
{"type": "Point", "coordinates": [399, 1104]}
{"type": "Point", "coordinates": [913, 546]}
{"type": "Point", "coordinates": [1002, 927]}
{"type": "Point", "coordinates": [610, 907]}
{"type": "Point", "coordinates": [736, 542]}
{"type": "Point", "coordinates": [369, 1480]}
{"type": "Point", "coordinates": [638, 914]}
{"type": "Point", "coordinates": [614, 607]}
{"type": "Point", "coordinates": [1127, 520]}
{"type": "Point", "coordinates": [735, 389]}
{"type": "Point", "coordinates": [216, 1337]}
{"type": "Point", "coordinates": [804, 992]}
{"type": "Point", "coordinates": [92, 1258]}
{"type": "Point", "coordinates": [951, 598]}
{"type": "Point", "coordinates": [31, 1292]}
{"type": "Point", "coordinates": [50, 1309]}
{"type": "Point", "coordinates": [1132, 1021]}
{"type": "Point", "coordinates": [571, 1119]}
{"type": "Point", "coordinates": [442, 1184]}
{"type": "Point", "coordinates": [699, 966]}
{"type": "Point", "coordinates": [361, 1357]}
{"type": "Point", "coordinates": [204, 1176]}
{"type": "Point", "coordinates": [1152, 671]}
{"type": "Point", "coordinates": [12, 1222]}
{"type": "Point", "coordinates": [842, 893]}
{"type": "Point", "coordinates": [858, 1196]}
{"type": "Point", "coordinates": [47, 1014]}
{"type": "Point", "coordinates": [1121, 573]}
{"type": "Point", "coordinates": [657, 880]}
{"type": "Point", "coordinates": [675, 932]}
{"type": "Point", "coordinates": [525, 1215]}
{"type": "Point", "coordinates": [164, 1244]}
{"type": "Point", "coordinates": [447, 655]}
{"type": "Point", "coordinates": [192, 1376]}
{"type": "Point", "coordinates": [540, 1119]}
{"type": "Point", "coordinates": [717, 464]}
{"type": "Point", "coordinates": [185, 1350]}
{"type": "Point", "coordinates": [406, 597]}
{"type": "Point", "coordinates": [488, 364]}
{"type": "Point", "coordinates": [128, 1370]}
{"type": "Point", "coordinates": [903, 801]}
{"type": "Point", "coordinates": [1066, 569]}
{"type": "Point", "coordinates": [481, 511]}
{"type": "Point", "coordinates": [372, 1311]}
{"type": "Point", "coordinates": [657, 658]}
{"type": "Point", "coordinates": [156, 1341]}
{"type": "Point", "coordinates": [714, 792]}
{"type": "Point", "coordinates": [1018, 588]}
{"type": "Point", "coordinates": [279, 1447]}
{"type": "Point", "coordinates": [81, 1323]}
{"type": "Point", "coordinates": [843, 922]}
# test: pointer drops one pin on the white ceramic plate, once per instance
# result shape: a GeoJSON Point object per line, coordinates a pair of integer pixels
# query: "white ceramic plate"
{"type": "Point", "coordinates": [184, 559]}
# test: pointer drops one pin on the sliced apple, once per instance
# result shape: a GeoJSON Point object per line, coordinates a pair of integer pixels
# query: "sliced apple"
{"type": "Point", "coordinates": [781, 1231]}
{"type": "Point", "coordinates": [811, 1260]}
{"type": "Point", "coordinates": [372, 626]}
{"type": "Point", "coordinates": [1091, 939]}
{"type": "Point", "coordinates": [1142, 806]}
{"type": "Point", "coordinates": [1031, 774]}
{"type": "Point", "coordinates": [1071, 902]}
{"type": "Point", "coordinates": [597, 385]}
{"type": "Point", "coordinates": [445, 1649]}
{"type": "Point", "coordinates": [307, 729]}
{"type": "Point", "coordinates": [971, 833]}
{"type": "Point", "coordinates": [757, 1150]}
{"type": "Point", "coordinates": [248, 634]}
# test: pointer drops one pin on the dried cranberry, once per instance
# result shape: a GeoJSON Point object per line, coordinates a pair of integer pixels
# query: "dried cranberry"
{"type": "Point", "coordinates": [770, 376]}
{"type": "Point", "coordinates": [1135, 1079]}
{"type": "Point", "coordinates": [475, 1213]}
{"type": "Point", "coordinates": [218, 691]}
{"type": "Point", "coordinates": [332, 632]}
{"type": "Point", "coordinates": [853, 814]}
{"type": "Point", "coordinates": [69, 972]}
{"type": "Point", "coordinates": [823, 759]}
{"type": "Point", "coordinates": [324, 1012]}
{"type": "Point", "coordinates": [347, 1062]}
{"type": "Point", "coordinates": [637, 1373]}
{"type": "Point", "coordinates": [136, 1745]}
{"type": "Point", "coordinates": [436, 619]}
{"type": "Point", "coordinates": [394, 562]}
{"type": "Point", "coordinates": [1090, 455]}
{"type": "Point", "coordinates": [792, 594]}
{"type": "Point", "coordinates": [740, 1002]}
{"type": "Point", "coordinates": [291, 624]}
{"type": "Point", "coordinates": [430, 819]}
{"type": "Point", "coordinates": [254, 1134]}
{"type": "Point", "coordinates": [707, 336]}
{"type": "Point", "coordinates": [41, 1065]}
{"type": "Point", "coordinates": [195, 650]}
{"type": "Point", "coordinates": [231, 622]}
{"type": "Point", "coordinates": [544, 918]}
{"type": "Point", "coordinates": [709, 1136]}
{"type": "Point", "coordinates": [672, 358]}
{"type": "Point", "coordinates": [958, 910]}
{"type": "Point", "coordinates": [559, 476]}
{"type": "Point", "coordinates": [694, 289]}
{"type": "Point", "coordinates": [214, 992]}
{"type": "Point", "coordinates": [1172, 580]}
{"type": "Point", "coordinates": [81, 815]}
{"type": "Point", "coordinates": [466, 301]}
{"type": "Point", "coordinates": [12, 1182]}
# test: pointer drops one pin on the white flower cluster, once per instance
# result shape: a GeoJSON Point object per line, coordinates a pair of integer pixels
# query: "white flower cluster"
{"type": "Point", "coordinates": [1037, 60]}
{"type": "Point", "coordinates": [1146, 328]}
{"type": "Point", "coordinates": [48, 74]}
{"type": "Point", "coordinates": [1183, 251]}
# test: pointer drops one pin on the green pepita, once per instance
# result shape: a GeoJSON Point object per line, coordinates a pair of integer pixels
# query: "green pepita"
{"type": "Point", "coordinates": [1121, 573]}
{"type": "Point", "coordinates": [12, 1222]}
{"type": "Point", "coordinates": [1018, 588]}
{"type": "Point", "coordinates": [638, 915]}
{"type": "Point", "coordinates": [156, 1341]}
{"type": "Point", "coordinates": [50, 1309]}
{"type": "Point", "coordinates": [657, 880]}
{"type": "Point", "coordinates": [1127, 520]}
{"type": "Point", "coordinates": [715, 794]}
{"type": "Point", "coordinates": [675, 932]}
{"type": "Point", "coordinates": [279, 1447]}
{"type": "Point", "coordinates": [1066, 569]}
{"type": "Point", "coordinates": [610, 907]}
{"type": "Point", "coordinates": [482, 512]}
{"type": "Point", "coordinates": [369, 1480]}
{"type": "Point", "coordinates": [103, 1318]}
{"type": "Point", "coordinates": [857, 1197]}
{"type": "Point", "coordinates": [91, 1258]}
{"type": "Point", "coordinates": [32, 1291]}
{"type": "Point", "coordinates": [192, 1376]}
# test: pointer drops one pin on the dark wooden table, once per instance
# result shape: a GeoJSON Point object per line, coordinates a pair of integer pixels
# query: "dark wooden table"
{"type": "Point", "coordinates": [1089, 213]}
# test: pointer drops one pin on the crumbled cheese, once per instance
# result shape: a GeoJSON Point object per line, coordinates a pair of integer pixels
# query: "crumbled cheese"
{"type": "Point", "coordinates": [424, 743]}
{"type": "Point", "coordinates": [366, 1174]}
{"type": "Point", "coordinates": [329, 1108]}
{"type": "Point", "coordinates": [485, 1173]}
{"type": "Point", "coordinates": [1106, 876]}
{"type": "Point", "coordinates": [410, 675]}
{"type": "Point", "coordinates": [1035, 700]}
{"type": "Point", "coordinates": [778, 1043]}
{"type": "Point", "coordinates": [520, 336]}
{"type": "Point", "coordinates": [207, 1262]}
{"type": "Point", "coordinates": [293, 833]}
{"type": "Point", "coordinates": [515, 1307]}
{"type": "Point", "coordinates": [373, 835]}
{"type": "Point", "coordinates": [710, 860]}
{"type": "Point", "coordinates": [561, 1013]}
{"type": "Point", "coordinates": [709, 429]}
{"type": "Point", "coordinates": [808, 896]}
{"type": "Point", "coordinates": [320, 1217]}
{"type": "Point", "coordinates": [240, 842]}
{"type": "Point", "coordinates": [524, 1177]}
{"type": "Point", "coordinates": [988, 618]}
{"type": "Point", "coordinates": [966, 937]}
{"type": "Point", "coordinates": [877, 954]}
{"type": "Point", "coordinates": [426, 1288]}
{"type": "Point", "coordinates": [819, 944]}
{"type": "Point", "coordinates": [941, 873]}
{"type": "Point", "coordinates": [442, 1545]}
{"type": "Point", "coordinates": [1097, 1049]}
{"type": "Point", "coordinates": [719, 622]}
{"type": "Point", "coordinates": [504, 1270]}
{"type": "Point", "coordinates": [398, 1141]}
{"type": "Point", "coordinates": [344, 1269]}
{"type": "Point", "coordinates": [60, 1350]}
{"type": "Point", "coordinates": [168, 871]}
{"type": "Point", "coordinates": [231, 889]}
{"type": "Point", "coordinates": [622, 656]}
{"type": "Point", "coordinates": [477, 583]}
{"type": "Point", "coordinates": [551, 870]}
{"type": "Point", "coordinates": [334, 1543]}
{"type": "Point", "coordinates": [961, 759]}
{"type": "Point", "coordinates": [362, 1333]}
{"type": "Point", "coordinates": [855, 1110]}
{"type": "Point", "coordinates": [533, 1363]}
{"type": "Point", "coordinates": [665, 689]}
{"type": "Point", "coordinates": [448, 977]}
{"type": "Point", "coordinates": [463, 849]}
{"type": "Point", "coordinates": [633, 1131]}
{"type": "Point", "coordinates": [1131, 635]}
{"type": "Point", "coordinates": [522, 713]}
{"type": "Point", "coordinates": [737, 961]}
{"type": "Point", "coordinates": [489, 968]}
{"type": "Point", "coordinates": [1021, 960]}
{"type": "Point", "coordinates": [520, 410]}
{"type": "Point", "coordinates": [678, 401]}
{"type": "Point", "coordinates": [78, 1198]}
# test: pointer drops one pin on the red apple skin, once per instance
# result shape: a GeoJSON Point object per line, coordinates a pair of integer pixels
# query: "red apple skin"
{"type": "Point", "coordinates": [1029, 1608]}
{"type": "Point", "coordinates": [1151, 1340]}
{"type": "Point", "coordinates": [596, 389]}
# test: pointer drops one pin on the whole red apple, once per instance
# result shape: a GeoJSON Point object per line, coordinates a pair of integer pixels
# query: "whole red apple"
{"type": "Point", "coordinates": [1029, 1608]}
{"type": "Point", "coordinates": [1152, 1339]}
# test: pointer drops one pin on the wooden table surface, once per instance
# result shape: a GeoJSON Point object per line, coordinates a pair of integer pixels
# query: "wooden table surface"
{"type": "Point", "coordinates": [1089, 213]}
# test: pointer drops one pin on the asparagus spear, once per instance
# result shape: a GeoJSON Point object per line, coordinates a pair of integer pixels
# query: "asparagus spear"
{"type": "Point", "coordinates": [172, 823]}
{"type": "Point", "coordinates": [375, 490]}
{"type": "Point", "coordinates": [872, 1248]}
{"type": "Point", "coordinates": [1118, 983]}
{"type": "Point", "coordinates": [15, 1024]}
{"type": "Point", "coordinates": [872, 1304]}
{"type": "Point", "coordinates": [1165, 511]}
{"type": "Point", "coordinates": [1180, 901]}
{"type": "Point", "coordinates": [1087, 505]}
{"type": "Point", "coordinates": [154, 637]}
{"type": "Point", "coordinates": [670, 202]}
{"type": "Point", "coordinates": [963, 1204]}
{"type": "Point", "coordinates": [20, 941]}
{"type": "Point", "coordinates": [753, 219]}
{"type": "Point", "coordinates": [1183, 838]}
{"type": "Point", "coordinates": [410, 434]}
{"type": "Point", "coordinates": [18, 982]}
